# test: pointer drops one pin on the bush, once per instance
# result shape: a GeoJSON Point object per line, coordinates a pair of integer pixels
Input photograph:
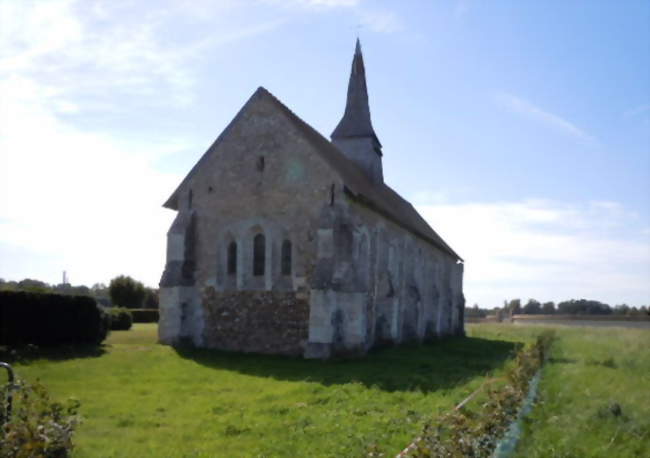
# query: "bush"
{"type": "Point", "coordinates": [50, 319]}
{"type": "Point", "coordinates": [126, 292]}
{"type": "Point", "coordinates": [38, 427]}
{"type": "Point", "coordinates": [145, 315]}
{"type": "Point", "coordinates": [121, 319]}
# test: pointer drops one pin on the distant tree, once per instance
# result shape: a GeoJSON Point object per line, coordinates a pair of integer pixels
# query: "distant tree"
{"type": "Point", "coordinates": [63, 288]}
{"type": "Point", "coordinates": [151, 299]}
{"type": "Point", "coordinates": [100, 292]}
{"type": "Point", "coordinates": [475, 312]}
{"type": "Point", "coordinates": [583, 307]}
{"type": "Point", "coordinates": [34, 286]}
{"type": "Point", "coordinates": [621, 309]}
{"type": "Point", "coordinates": [635, 311]}
{"type": "Point", "coordinates": [548, 308]}
{"type": "Point", "coordinates": [126, 292]}
{"type": "Point", "coordinates": [81, 290]}
{"type": "Point", "coordinates": [532, 307]}
{"type": "Point", "coordinates": [7, 285]}
{"type": "Point", "coordinates": [514, 306]}
{"type": "Point", "coordinates": [67, 288]}
{"type": "Point", "coordinates": [99, 289]}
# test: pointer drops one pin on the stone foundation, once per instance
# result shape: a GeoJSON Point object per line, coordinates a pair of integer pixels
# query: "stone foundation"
{"type": "Point", "coordinates": [255, 321]}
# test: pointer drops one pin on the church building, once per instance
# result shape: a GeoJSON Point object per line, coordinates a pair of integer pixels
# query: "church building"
{"type": "Point", "coordinates": [286, 242]}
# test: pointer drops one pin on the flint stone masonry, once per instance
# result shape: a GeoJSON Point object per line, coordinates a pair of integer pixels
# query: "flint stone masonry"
{"type": "Point", "coordinates": [365, 268]}
{"type": "Point", "coordinates": [255, 321]}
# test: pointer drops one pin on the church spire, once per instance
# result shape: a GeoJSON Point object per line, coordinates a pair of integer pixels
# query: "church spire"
{"type": "Point", "coordinates": [354, 134]}
{"type": "Point", "coordinates": [356, 120]}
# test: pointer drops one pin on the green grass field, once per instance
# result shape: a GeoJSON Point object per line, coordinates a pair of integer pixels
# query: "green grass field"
{"type": "Point", "coordinates": [143, 399]}
{"type": "Point", "coordinates": [591, 371]}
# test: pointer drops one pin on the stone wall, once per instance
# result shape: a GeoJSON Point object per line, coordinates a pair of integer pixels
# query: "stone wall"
{"type": "Point", "coordinates": [387, 285]}
{"type": "Point", "coordinates": [255, 321]}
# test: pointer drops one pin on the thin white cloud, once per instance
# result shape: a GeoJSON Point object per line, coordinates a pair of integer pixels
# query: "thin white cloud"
{"type": "Point", "coordinates": [80, 198]}
{"type": "Point", "coordinates": [103, 50]}
{"type": "Point", "coordinates": [528, 109]}
{"type": "Point", "coordinates": [89, 201]}
{"type": "Point", "coordinates": [547, 250]}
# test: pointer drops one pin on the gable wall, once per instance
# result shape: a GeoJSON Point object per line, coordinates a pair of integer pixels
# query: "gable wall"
{"type": "Point", "coordinates": [234, 198]}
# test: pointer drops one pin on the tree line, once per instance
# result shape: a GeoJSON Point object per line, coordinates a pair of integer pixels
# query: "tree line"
{"type": "Point", "coordinates": [122, 291]}
{"type": "Point", "coordinates": [568, 307]}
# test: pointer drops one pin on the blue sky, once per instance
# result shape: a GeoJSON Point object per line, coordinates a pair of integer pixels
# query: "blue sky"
{"type": "Point", "coordinates": [520, 130]}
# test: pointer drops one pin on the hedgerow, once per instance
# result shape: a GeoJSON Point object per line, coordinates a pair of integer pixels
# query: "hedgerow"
{"type": "Point", "coordinates": [50, 319]}
{"type": "Point", "coordinates": [474, 433]}
{"type": "Point", "coordinates": [145, 315]}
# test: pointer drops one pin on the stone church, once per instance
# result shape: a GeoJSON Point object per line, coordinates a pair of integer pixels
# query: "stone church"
{"type": "Point", "coordinates": [288, 243]}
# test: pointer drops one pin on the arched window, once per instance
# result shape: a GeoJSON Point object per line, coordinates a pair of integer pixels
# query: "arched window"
{"type": "Point", "coordinates": [259, 255]}
{"type": "Point", "coordinates": [286, 258]}
{"type": "Point", "coordinates": [232, 258]}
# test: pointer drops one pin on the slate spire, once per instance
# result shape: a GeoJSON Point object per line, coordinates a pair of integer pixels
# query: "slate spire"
{"type": "Point", "coordinates": [354, 135]}
{"type": "Point", "coordinates": [356, 119]}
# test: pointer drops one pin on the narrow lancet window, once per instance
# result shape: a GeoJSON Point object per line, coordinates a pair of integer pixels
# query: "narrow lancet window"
{"type": "Point", "coordinates": [232, 258]}
{"type": "Point", "coordinates": [286, 258]}
{"type": "Point", "coordinates": [259, 255]}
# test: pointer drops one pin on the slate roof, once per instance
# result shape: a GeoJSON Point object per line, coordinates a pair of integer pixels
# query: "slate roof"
{"type": "Point", "coordinates": [379, 197]}
{"type": "Point", "coordinates": [356, 118]}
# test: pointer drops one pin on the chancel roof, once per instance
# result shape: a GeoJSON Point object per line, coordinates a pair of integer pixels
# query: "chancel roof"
{"type": "Point", "coordinates": [377, 196]}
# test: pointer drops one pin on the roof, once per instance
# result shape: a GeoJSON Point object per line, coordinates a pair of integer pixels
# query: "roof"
{"type": "Point", "coordinates": [356, 118]}
{"type": "Point", "coordinates": [377, 196]}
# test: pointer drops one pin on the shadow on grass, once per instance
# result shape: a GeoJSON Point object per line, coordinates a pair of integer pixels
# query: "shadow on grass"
{"type": "Point", "coordinates": [426, 367]}
{"type": "Point", "coordinates": [29, 353]}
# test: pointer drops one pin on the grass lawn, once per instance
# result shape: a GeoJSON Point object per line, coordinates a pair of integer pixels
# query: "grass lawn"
{"type": "Point", "coordinates": [143, 399]}
{"type": "Point", "coordinates": [139, 398]}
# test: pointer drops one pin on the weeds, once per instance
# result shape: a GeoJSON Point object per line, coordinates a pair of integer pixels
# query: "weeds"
{"type": "Point", "coordinates": [474, 433]}
{"type": "Point", "coordinates": [39, 427]}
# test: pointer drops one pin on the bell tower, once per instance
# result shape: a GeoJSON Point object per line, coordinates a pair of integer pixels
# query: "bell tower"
{"type": "Point", "coordinates": [354, 134]}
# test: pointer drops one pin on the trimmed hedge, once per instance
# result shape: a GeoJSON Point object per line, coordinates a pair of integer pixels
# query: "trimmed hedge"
{"type": "Point", "coordinates": [121, 319]}
{"type": "Point", "coordinates": [50, 319]}
{"type": "Point", "coordinates": [145, 315]}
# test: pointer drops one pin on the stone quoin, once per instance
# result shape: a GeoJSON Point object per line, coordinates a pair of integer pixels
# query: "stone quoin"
{"type": "Point", "coordinates": [288, 243]}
